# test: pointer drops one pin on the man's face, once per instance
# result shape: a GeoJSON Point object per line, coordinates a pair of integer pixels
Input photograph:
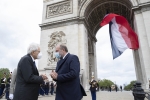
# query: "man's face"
{"type": "Point", "coordinates": [57, 48]}
{"type": "Point", "coordinates": [61, 52]}
{"type": "Point", "coordinates": [35, 53]}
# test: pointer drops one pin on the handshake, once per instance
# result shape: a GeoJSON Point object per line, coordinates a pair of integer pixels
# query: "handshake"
{"type": "Point", "coordinates": [54, 75]}
{"type": "Point", "coordinates": [44, 77]}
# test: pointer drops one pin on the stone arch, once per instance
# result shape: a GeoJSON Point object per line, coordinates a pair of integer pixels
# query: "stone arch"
{"type": "Point", "coordinates": [94, 11]}
{"type": "Point", "coordinates": [86, 3]}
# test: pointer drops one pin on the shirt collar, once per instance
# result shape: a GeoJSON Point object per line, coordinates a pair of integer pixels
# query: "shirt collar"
{"type": "Point", "coordinates": [32, 58]}
{"type": "Point", "coordinates": [65, 55]}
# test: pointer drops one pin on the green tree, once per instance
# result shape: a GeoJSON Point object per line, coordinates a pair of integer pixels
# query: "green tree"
{"type": "Point", "coordinates": [2, 71]}
{"type": "Point", "coordinates": [105, 83]}
{"type": "Point", "coordinates": [129, 86]}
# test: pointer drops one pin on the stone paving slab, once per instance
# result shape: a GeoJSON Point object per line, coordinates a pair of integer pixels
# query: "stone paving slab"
{"type": "Point", "coordinates": [102, 95]}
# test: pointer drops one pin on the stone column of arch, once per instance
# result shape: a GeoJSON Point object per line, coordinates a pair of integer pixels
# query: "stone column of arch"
{"type": "Point", "coordinates": [141, 10]}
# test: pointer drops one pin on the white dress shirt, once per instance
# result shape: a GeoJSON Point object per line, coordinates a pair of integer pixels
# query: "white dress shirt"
{"type": "Point", "coordinates": [65, 55]}
{"type": "Point", "coordinates": [32, 58]}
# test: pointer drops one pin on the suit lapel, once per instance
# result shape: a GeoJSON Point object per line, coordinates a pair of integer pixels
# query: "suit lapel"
{"type": "Point", "coordinates": [33, 65]}
{"type": "Point", "coordinates": [35, 68]}
{"type": "Point", "coordinates": [61, 62]}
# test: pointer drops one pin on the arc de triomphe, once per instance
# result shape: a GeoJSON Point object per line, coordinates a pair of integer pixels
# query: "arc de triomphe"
{"type": "Point", "coordinates": [76, 22]}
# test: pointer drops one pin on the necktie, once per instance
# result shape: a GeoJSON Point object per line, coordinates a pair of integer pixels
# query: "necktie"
{"type": "Point", "coordinates": [34, 64]}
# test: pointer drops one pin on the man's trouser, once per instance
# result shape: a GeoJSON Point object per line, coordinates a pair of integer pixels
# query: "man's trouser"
{"type": "Point", "coordinates": [93, 94]}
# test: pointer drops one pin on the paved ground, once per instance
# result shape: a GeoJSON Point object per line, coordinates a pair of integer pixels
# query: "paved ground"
{"type": "Point", "coordinates": [102, 95]}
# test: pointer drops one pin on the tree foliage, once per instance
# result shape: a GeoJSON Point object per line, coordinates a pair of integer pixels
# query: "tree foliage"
{"type": "Point", "coordinates": [129, 86]}
{"type": "Point", "coordinates": [105, 83]}
{"type": "Point", "coordinates": [4, 71]}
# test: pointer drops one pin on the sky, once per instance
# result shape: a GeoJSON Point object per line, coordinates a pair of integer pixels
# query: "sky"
{"type": "Point", "coordinates": [19, 26]}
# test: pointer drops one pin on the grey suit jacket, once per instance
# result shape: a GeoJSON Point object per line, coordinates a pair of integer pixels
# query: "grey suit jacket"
{"type": "Point", "coordinates": [13, 81]}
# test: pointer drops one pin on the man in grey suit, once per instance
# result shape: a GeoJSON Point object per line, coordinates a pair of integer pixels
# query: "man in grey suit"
{"type": "Point", "coordinates": [27, 79]}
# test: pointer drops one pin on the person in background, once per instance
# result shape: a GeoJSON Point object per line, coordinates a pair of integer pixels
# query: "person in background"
{"type": "Point", "coordinates": [93, 86]}
{"type": "Point", "coordinates": [110, 88]}
{"type": "Point", "coordinates": [0, 91]}
{"type": "Point", "coordinates": [12, 84]}
{"type": "Point", "coordinates": [3, 84]}
{"type": "Point", "coordinates": [46, 86]}
{"type": "Point", "coordinates": [97, 86]}
{"type": "Point", "coordinates": [42, 88]}
{"type": "Point", "coordinates": [121, 88]}
{"type": "Point", "coordinates": [8, 87]}
{"type": "Point", "coordinates": [116, 88]}
{"type": "Point", "coordinates": [52, 88]}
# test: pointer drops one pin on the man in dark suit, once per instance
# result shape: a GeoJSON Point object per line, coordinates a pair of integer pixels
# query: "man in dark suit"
{"type": "Point", "coordinates": [27, 79]}
{"type": "Point", "coordinates": [67, 76]}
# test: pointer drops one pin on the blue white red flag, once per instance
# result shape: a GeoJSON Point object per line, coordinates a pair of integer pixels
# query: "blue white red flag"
{"type": "Point", "coordinates": [122, 36]}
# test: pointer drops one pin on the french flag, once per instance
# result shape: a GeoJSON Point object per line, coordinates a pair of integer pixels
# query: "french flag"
{"type": "Point", "coordinates": [122, 36]}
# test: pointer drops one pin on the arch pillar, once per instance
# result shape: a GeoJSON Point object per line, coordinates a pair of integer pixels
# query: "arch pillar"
{"type": "Point", "coordinates": [142, 55]}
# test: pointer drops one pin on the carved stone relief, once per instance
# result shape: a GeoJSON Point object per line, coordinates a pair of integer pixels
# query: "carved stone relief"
{"type": "Point", "coordinates": [59, 9]}
{"type": "Point", "coordinates": [80, 2]}
{"type": "Point", "coordinates": [141, 9]}
{"type": "Point", "coordinates": [46, 1]}
{"type": "Point", "coordinates": [55, 38]}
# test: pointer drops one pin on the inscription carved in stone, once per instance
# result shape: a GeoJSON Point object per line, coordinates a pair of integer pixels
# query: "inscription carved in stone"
{"type": "Point", "coordinates": [55, 38]}
{"type": "Point", "coordinates": [59, 9]}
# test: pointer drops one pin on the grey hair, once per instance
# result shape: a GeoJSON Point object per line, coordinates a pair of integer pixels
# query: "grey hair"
{"type": "Point", "coordinates": [33, 47]}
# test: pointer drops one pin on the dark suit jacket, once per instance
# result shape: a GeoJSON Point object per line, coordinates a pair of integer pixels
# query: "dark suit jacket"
{"type": "Point", "coordinates": [27, 80]}
{"type": "Point", "coordinates": [68, 82]}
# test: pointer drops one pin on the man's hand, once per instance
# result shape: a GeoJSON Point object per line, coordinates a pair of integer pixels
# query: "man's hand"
{"type": "Point", "coordinates": [54, 75]}
{"type": "Point", "coordinates": [44, 77]}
